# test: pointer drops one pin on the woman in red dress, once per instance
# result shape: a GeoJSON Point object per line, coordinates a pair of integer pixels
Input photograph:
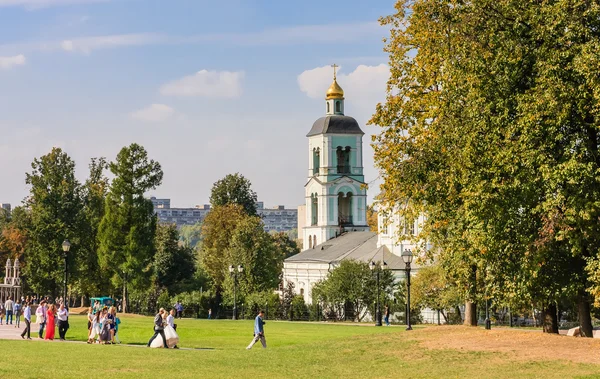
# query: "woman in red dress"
{"type": "Point", "coordinates": [50, 326]}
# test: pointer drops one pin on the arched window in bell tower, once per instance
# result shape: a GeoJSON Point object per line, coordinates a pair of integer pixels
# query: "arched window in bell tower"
{"type": "Point", "coordinates": [310, 242]}
{"type": "Point", "coordinates": [316, 161]}
{"type": "Point", "coordinates": [345, 209]}
{"type": "Point", "coordinates": [338, 106]}
{"type": "Point", "coordinates": [328, 108]}
{"type": "Point", "coordinates": [343, 160]}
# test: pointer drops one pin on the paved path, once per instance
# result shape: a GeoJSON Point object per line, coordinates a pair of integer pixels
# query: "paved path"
{"type": "Point", "coordinates": [10, 332]}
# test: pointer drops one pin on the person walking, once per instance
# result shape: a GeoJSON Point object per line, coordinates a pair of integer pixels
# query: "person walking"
{"type": "Point", "coordinates": [259, 331]}
{"type": "Point", "coordinates": [50, 323]}
{"type": "Point", "coordinates": [40, 317]}
{"type": "Point", "coordinates": [63, 321]}
{"type": "Point", "coordinates": [209, 313]}
{"type": "Point", "coordinates": [179, 309]}
{"type": "Point", "coordinates": [159, 329]}
{"type": "Point", "coordinates": [9, 307]}
{"type": "Point", "coordinates": [17, 310]}
{"type": "Point", "coordinates": [387, 315]}
{"type": "Point", "coordinates": [111, 316]}
{"type": "Point", "coordinates": [171, 322]}
{"type": "Point", "coordinates": [27, 318]}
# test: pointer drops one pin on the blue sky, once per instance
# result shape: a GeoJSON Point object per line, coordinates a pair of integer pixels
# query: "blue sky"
{"type": "Point", "coordinates": [209, 88]}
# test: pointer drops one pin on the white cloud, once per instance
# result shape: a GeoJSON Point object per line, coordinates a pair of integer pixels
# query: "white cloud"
{"type": "Point", "coordinates": [363, 88]}
{"type": "Point", "coordinates": [215, 84]}
{"type": "Point", "coordinates": [87, 44]}
{"type": "Point", "coordinates": [39, 4]}
{"type": "Point", "coordinates": [10, 62]}
{"type": "Point", "coordinates": [154, 113]}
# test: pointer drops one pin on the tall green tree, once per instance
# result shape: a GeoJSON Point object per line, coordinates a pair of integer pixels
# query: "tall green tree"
{"type": "Point", "coordinates": [490, 128]}
{"type": "Point", "coordinates": [234, 189]}
{"type": "Point", "coordinates": [173, 262]}
{"type": "Point", "coordinates": [92, 280]}
{"type": "Point", "coordinates": [128, 228]}
{"type": "Point", "coordinates": [55, 207]}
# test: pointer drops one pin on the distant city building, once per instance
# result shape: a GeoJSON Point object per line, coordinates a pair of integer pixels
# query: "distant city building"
{"type": "Point", "coordinates": [278, 219]}
{"type": "Point", "coordinates": [6, 206]}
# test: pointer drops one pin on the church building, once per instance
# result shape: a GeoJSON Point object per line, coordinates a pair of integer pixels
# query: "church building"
{"type": "Point", "coordinates": [333, 221]}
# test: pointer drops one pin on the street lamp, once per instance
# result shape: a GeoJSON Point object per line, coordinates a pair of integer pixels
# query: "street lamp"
{"type": "Point", "coordinates": [373, 267]}
{"type": "Point", "coordinates": [233, 272]}
{"type": "Point", "coordinates": [66, 246]}
{"type": "Point", "coordinates": [407, 257]}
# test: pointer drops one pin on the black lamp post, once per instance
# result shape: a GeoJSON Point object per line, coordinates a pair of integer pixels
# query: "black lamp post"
{"type": "Point", "coordinates": [66, 246]}
{"type": "Point", "coordinates": [373, 267]}
{"type": "Point", "coordinates": [234, 273]}
{"type": "Point", "coordinates": [407, 257]}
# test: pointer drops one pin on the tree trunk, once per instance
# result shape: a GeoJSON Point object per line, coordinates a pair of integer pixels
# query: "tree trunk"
{"type": "Point", "coordinates": [585, 319]}
{"type": "Point", "coordinates": [470, 314]}
{"type": "Point", "coordinates": [445, 316]}
{"type": "Point", "coordinates": [550, 321]}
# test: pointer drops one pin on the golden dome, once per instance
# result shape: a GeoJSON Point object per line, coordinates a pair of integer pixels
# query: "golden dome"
{"type": "Point", "coordinates": [335, 91]}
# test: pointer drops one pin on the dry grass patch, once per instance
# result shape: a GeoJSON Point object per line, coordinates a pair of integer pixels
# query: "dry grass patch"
{"type": "Point", "coordinates": [516, 344]}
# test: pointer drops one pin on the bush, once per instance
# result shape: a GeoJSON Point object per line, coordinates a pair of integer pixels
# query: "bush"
{"type": "Point", "coordinates": [195, 303]}
{"type": "Point", "coordinates": [299, 308]}
{"type": "Point", "coordinates": [267, 301]}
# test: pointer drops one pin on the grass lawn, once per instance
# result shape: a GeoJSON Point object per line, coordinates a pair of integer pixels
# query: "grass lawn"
{"type": "Point", "coordinates": [301, 350]}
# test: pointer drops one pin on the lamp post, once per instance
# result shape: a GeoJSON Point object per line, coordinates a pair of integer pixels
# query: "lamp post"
{"type": "Point", "coordinates": [66, 246]}
{"type": "Point", "coordinates": [234, 273]}
{"type": "Point", "coordinates": [407, 257]}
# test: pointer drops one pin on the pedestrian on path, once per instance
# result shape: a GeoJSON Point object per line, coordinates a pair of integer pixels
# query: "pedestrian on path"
{"type": "Point", "coordinates": [9, 307]}
{"type": "Point", "coordinates": [17, 311]}
{"type": "Point", "coordinates": [27, 318]}
{"type": "Point", "coordinates": [259, 331]}
{"type": "Point", "coordinates": [40, 317]}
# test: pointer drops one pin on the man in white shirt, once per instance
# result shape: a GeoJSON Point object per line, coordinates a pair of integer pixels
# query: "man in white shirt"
{"type": "Point", "coordinates": [8, 306]}
{"type": "Point", "coordinates": [27, 317]}
{"type": "Point", "coordinates": [63, 321]}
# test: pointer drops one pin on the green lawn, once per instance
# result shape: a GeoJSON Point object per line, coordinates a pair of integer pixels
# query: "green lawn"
{"type": "Point", "coordinates": [296, 350]}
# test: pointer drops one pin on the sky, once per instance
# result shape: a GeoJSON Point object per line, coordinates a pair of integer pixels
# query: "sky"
{"type": "Point", "coordinates": [207, 87]}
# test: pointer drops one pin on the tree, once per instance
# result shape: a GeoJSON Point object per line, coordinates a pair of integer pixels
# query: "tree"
{"type": "Point", "coordinates": [431, 289]}
{"type": "Point", "coordinates": [217, 231]}
{"type": "Point", "coordinates": [13, 233]}
{"type": "Point", "coordinates": [234, 189]}
{"type": "Point", "coordinates": [191, 235]}
{"type": "Point", "coordinates": [353, 283]}
{"type": "Point", "coordinates": [372, 218]}
{"type": "Point", "coordinates": [285, 245]}
{"type": "Point", "coordinates": [55, 207]}
{"type": "Point", "coordinates": [128, 228]}
{"type": "Point", "coordinates": [173, 263]}
{"type": "Point", "coordinates": [92, 280]}
{"type": "Point", "coordinates": [489, 129]}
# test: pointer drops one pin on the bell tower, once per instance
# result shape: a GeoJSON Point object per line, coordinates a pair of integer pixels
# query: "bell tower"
{"type": "Point", "coordinates": [336, 195]}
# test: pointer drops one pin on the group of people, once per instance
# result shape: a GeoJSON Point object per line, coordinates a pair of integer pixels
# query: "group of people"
{"type": "Point", "coordinates": [48, 316]}
{"type": "Point", "coordinates": [9, 310]}
{"type": "Point", "coordinates": [103, 325]}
